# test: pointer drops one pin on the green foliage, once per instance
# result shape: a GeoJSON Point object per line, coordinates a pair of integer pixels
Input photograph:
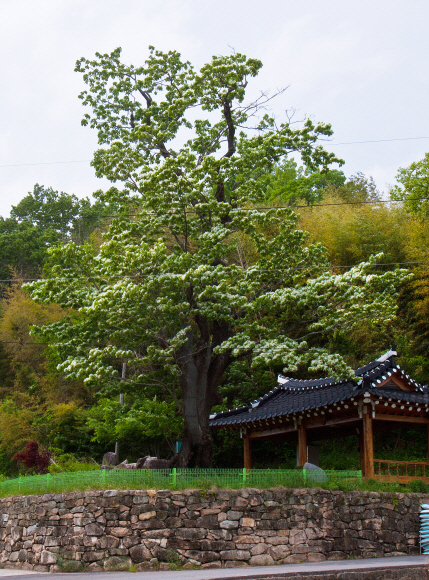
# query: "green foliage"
{"type": "Point", "coordinates": [242, 383]}
{"type": "Point", "coordinates": [418, 486]}
{"type": "Point", "coordinates": [413, 188]}
{"type": "Point", "coordinates": [42, 219]}
{"type": "Point", "coordinates": [67, 462]}
{"type": "Point", "coordinates": [69, 565]}
{"type": "Point", "coordinates": [290, 183]}
{"type": "Point", "coordinates": [145, 419]}
{"type": "Point", "coordinates": [353, 233]}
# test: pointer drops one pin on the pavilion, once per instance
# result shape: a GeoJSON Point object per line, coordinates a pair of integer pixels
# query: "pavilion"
{"type": "Point", "coordinates": [380, 397]}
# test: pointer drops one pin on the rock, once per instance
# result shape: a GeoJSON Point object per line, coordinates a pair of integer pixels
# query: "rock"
{"type": "Point", "coordinates": [316, 557]}
{"type": "Point", "coordinates": [258, 549]}
{"type": "Point", "coordinates": [210, 565]}
{"type": "Point", "coordinates": [94, 567]}
{"type": "Point", "coordinates": [94, 530]}
{"type": "Point", "coordinates": [233, 515]}
{"type": "Point", "coordinates": [279, 552]}
{"type": "Point", "coordinates": [140, 554]}
{"type": "Point", "coordinates": [140, 462]}
{"type": "Point", "coordinates": [47, 558]}
{"type": "Point", "coordinates": [92, 556]}
{"type": "Point", "coordinates": [109, 460]}
{"type": "Point", "coordinates": [315, 473]}
{"type": "Point", "coordinates": [228, 525]}
{"type": "Point", "coordinates": [120, 532]}
{"type": "Point", "coordinates": [16, 533]}
{"type": "Point", "coordinates": [126, 465]}
{"type": "Point", "coordinates": [107, 542]}
{"type": "Point", "coordinates": [297, 537]}
{"type": "Point", "coordinates": [235, 555]}
{"type": "Point", "coordinates": [147, 515]}
{"type": "Point", "coordinates": [152, 463]}
{"type": "Point", "coordinates": [117, 563]}
{"type": "Point", "coordinates": [31, 529]}
{"type": "Point", "coordinates": [261, 560]}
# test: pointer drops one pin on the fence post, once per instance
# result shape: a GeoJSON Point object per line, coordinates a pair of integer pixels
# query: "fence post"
{"type": "Point", "coordinates": [360, 475]}
{"type": "Point", "coordinates": [48, 479]}
{"type": "Point", "coordinates": [244, 475]}
{"type": "Point", "coordinates": [174, 477]}
{"type": "Point", "coordinates": [304, 476]}
{"type": "Point", "coordinates": [19, 483]}
{"type": "Point", "coordinates": [103, 475]}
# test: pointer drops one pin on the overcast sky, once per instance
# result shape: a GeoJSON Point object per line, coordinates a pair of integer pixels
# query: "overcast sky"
{"type": "Point", "coordinates": [361, 66]}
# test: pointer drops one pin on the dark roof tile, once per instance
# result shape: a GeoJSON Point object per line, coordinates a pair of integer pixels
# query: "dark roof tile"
{"type": "Point", "coordinates": [296, 396]}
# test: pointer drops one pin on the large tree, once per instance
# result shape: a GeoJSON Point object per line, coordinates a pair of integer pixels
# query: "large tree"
{"type": "Point", "coordinates": [194, 274]}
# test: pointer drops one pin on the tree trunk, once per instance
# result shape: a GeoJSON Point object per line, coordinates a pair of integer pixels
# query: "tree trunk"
{"type": "Point", "coordinates": [200, 376]}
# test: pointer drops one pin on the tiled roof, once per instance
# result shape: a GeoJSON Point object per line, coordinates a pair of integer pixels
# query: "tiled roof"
{"type": "Point", "coordinates": [295, 396]}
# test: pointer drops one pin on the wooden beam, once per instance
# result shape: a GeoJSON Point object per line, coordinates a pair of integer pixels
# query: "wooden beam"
{"type": "Point", "coordinates": [368, 446]}
{"type": "Point", "coordinates": [313, 425]}
{"type": "Point", "coordinates": [247, 451]}
{"type": "Point", "coordinates": [401, 418]}
{"type": "Point", "coordinates": [337, 422]}
{"type": "Point", "coordinates": [270, 432]}
{"type": "Point", "coordinates": [302, 444]}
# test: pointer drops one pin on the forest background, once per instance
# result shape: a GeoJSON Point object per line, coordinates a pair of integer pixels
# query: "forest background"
{"type": "Point", "coordinates": [78, 425]}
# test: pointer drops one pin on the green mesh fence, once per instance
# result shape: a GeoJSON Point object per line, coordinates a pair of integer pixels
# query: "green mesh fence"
{"type": "Point", "coordinates": [173, 479]}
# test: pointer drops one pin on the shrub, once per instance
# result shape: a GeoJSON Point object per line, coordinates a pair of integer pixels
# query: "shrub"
{"type": "Point", "coordinates": [32, 460]}
{"type": "Point", "coordinates": [67, 462]}
{"type": "Point", "coordinates": [418, 486]}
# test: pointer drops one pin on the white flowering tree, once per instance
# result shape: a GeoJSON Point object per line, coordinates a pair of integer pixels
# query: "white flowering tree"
{"type": "Point", "coordinates": [194, 273]}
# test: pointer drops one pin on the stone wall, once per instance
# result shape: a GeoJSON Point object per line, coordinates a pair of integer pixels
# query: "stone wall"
{"type": "Point", "coordinates": [162, 529]}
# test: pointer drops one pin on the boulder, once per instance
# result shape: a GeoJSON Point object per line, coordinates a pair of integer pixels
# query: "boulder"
{"type": "Point", "coordinates": [153, 463]}
{"type": "Point", "coordinates": [126, 465]}
{"type": "Point", "coordinates": [315, 473]}
{"type": "Point", "coordinates": [110, 459]}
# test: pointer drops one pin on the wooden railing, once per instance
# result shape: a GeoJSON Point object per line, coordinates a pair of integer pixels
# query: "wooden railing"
{"type": "Point", "coordinates": [401, 471]}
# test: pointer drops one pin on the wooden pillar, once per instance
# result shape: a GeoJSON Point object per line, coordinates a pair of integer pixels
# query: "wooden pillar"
{"type": "Point", "coordinates": [361, 448]}
{"type": "Point", "coordinates": [427, 427]}
{"type": "Point", "coordinates": [247, 451]}
{"type": "Point", "coordinates": [302, 444]}
{"type": "Point", "coordinates": [368, 445]}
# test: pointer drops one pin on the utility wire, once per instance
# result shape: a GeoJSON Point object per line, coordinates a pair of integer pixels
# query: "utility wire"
{"type": "Point", "coordinates": [323, 141]}
{"type": "Point", "coordinates": [44, 163]}
{"type": "Point", "coordinates": [378, 140]}
{"type": "Point", "coordinates": [178, 211]}
{"type": "Point", "coordinates": [291, 269]}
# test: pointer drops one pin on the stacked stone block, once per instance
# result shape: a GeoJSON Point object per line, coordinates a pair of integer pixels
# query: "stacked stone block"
{"type": "Point", "coordinates": [226, 528]}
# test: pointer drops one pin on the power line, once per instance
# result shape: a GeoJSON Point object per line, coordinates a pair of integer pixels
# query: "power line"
{"type": "Point", "coordinates": [291, 269]}
{"type": "Point", "coordinates": [44, 163]}
{"type": "Point", "coordinates": [329, 142]}
{"type": "Point", "coordinates": [379, 140]}
{"type": "Point", "coordinates": [236, 209]}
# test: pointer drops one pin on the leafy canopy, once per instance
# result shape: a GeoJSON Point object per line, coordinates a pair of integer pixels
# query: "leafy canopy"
{"type": "Point", "coordinates": [193, 275]}
{"type": "Point", "coordinates": [43, 218]}
{"type": "Point", "coordinates": [413, 186]}
{"type": "Point", "coordinates": [290, 183]}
